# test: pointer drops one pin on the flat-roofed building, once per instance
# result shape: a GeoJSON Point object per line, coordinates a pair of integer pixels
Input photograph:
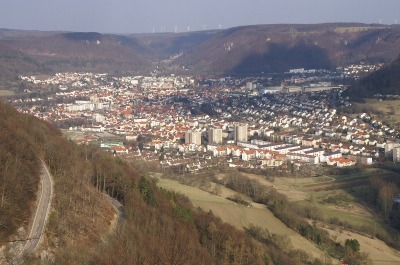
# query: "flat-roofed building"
{"type": "Point", "coordinates": [240, 133]}
{"type": "Point", "coordinates": [193, 137]}
{"type": "Point", "coordinates": [214, 136]}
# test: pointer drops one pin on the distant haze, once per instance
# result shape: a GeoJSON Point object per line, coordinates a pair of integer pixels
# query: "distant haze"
{"type": "Point", "coordinates": [130, 16]}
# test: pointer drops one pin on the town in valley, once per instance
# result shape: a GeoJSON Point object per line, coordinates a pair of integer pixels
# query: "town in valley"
{"type": "Point", "coordinates": [284, 121]}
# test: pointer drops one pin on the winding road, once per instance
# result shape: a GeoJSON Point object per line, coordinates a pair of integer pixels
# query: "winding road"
{"type": "Point", "coordinates": [41, 214]}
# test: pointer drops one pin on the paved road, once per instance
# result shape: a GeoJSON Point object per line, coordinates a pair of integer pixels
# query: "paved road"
{"type": "Point", "coordinates": [40, 217]}
{"type": "Point", "coordinates": [119, 208]}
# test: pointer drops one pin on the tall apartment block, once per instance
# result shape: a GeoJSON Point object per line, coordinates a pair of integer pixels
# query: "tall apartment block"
{"type": "Point", "coordinates": [193, 137]}
{"type": "Point", "coordinates": [215, 136]}
{"type": "Point", "coordinates": [240, 133]}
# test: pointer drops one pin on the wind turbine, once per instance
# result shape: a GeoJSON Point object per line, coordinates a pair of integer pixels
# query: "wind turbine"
{"type": "Point", "coordinates": [204, 27]}
{"type": "Point", "coordinates": [188, 28]}
{"type": "Point", "coordinates": [220, 26]}
{"type": "Point", "coordinates": [380, 21]}
{"type": "Point", "coordinates": [395, 21]}
{"type": "Point", "coordinates": [153, 30]}
{"type": "Point", "coordinates": [176, 29]}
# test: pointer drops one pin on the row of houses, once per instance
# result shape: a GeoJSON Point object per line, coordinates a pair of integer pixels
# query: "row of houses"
{"type": "Point", "coordinates": [283, 152]}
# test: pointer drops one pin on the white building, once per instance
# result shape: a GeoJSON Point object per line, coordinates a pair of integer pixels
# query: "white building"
{"type": "Point", "coordinates": [389, 148]}
{"type": "Point", "coordinates": [396, 154]}
{"type": "Point", "coordinates": [98, 117]}
{"type": "Point", "coordinates": [215, 136]}
{"type": "Point", "coordinates": [240, 133]}
{"type": "Point", "coordinates": [193, 137]}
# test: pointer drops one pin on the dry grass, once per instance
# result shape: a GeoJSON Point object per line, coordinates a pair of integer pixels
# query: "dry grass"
{"type": "Point", "coordinates": [241, 216]}
{"type": "Point", "coordinates": [285, 186]}
{"type": "Point", "coordinates": [387, 110]}
{"type": "Point", "coordinates": [4, 92]}
{"type": "Point", "coordinates": [347, 208]}
{"type": "Point", "coordinates": [73, 135]}
{"type": "Point", "coordinates": [378, 251]}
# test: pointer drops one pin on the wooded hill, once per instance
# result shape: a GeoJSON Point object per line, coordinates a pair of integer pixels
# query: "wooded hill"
{"type": "Point", "coordinates": [19, 172]}
{"type": "Point", "coordinates": [239, 50]}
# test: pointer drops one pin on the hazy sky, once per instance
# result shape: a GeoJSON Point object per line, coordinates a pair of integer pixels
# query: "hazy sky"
{"type": "Point", "coordinates": [132, 16]}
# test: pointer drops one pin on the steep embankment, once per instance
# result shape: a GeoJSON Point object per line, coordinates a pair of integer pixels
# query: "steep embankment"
{"type": "Point", "coordinates": [80, 214]}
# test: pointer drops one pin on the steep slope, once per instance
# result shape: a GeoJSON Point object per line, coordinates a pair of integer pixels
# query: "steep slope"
{"type": "Point", "coordinates": [80, 214]}
{"type": "Point", "coordinates": [19, 173]}
{"type": "Point", "coordinates": [14, 63]}
{"type": "Point", "coordinates": [277, 48]}
{"type": "Point", "coordinates": [79, 52]}
{"type": "Point", "coordinates": [386, 81]}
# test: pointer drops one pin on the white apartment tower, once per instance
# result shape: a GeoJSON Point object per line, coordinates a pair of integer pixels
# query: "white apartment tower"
{"type": "Point", "coordinates": [240, 133]}
{"type": "Point", "coordinates": [396, 154]}
{"type": "Point", "coordinates": [193, 137]}
{"type": "Point", "coordinates": [215, 136]}
{"type": "Point", "coordinates": [389, 148]}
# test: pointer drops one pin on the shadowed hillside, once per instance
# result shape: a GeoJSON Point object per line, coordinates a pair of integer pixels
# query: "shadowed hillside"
{"type": "Point", "coordinates": [385, 81]}
{"type": "Point", "coordinates": [280, 58]}
{"type": "Point", "coordinates": [256, 49]}
{"type": "Point", "coordinates": [239, 50]}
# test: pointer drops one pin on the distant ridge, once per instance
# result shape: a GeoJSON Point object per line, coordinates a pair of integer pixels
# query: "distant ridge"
{"type": "Point", "coordinates": [240, 50]}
